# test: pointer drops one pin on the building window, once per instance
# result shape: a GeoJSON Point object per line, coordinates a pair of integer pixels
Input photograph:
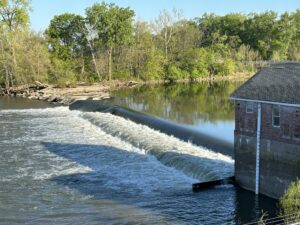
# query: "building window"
{"type": "Point", "coordinates": [297, 125]}
{"type": "Point", "coordinates": [276, 116]}
{"type": "Point", "coordinates": [297, 132]}
{"type": "Point", "coordinates": [249, 107]}
{"type": "Point", "coordinates": [286, 130]}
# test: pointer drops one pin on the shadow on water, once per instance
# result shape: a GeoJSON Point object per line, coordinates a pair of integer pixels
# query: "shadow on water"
{"type": "Point", "coordinates": [116, 175]}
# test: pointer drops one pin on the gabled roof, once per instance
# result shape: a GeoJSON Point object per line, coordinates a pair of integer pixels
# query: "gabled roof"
{"type": "Point", "coordinates": [280, 83]}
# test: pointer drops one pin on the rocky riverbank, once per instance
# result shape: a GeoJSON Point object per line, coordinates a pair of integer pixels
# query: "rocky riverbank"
{"type": "Point", "coordinates": [65, 95]}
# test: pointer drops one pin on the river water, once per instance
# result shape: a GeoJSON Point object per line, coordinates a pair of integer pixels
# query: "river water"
{"type": "Point", "coordinates": [68, 167]}
{"type": "Point", "coordinates": [203, 107]}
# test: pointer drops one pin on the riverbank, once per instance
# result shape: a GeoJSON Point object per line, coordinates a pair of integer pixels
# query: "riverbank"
{"type": "Point", "coordinates": [97, 91]}
{"type": "Point", "coordinates": [65, 95]}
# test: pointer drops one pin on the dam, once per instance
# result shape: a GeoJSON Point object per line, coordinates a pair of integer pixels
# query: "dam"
{"type": "Point", "coordinates": [164, 126]}
{"type": "Point", "coordinates": [204, 164]}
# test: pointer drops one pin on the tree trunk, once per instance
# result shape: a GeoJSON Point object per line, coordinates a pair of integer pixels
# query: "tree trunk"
{"type": "Point", "coordinates": [38, 68]}
{"type": "Point", "coordinates": [83, 70]}
{"type": "Point", "coordinates": [13, 74]}
{"type": "Point", "coordinates": [166, 46]}
{"type": "Point", "coordinates": [110, 63]}
{"type": "Point", "coordinates": [94, 59]}
{"type": "Point", "coordinates": [6, 70]}
{"type": "Point", "coordinates": [6, 79]}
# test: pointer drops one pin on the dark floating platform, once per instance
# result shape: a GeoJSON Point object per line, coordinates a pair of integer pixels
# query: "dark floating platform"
{"type": "Point", "coordinates": [210, 184]}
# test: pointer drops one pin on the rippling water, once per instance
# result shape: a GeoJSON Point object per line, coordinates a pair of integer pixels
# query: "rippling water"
{"type": "Point", "coordinates": [63, 167]}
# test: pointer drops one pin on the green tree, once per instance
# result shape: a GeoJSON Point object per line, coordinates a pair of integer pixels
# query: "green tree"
{"type": "Point", "coordinates": [230, 25]}
{"type": "Point", "coordinates": [187, 36]}
{"type": "Point", "coordinates": [14, 21]}
{"type": "Point", "coordinates": [294, 47]}
{"type": "Point", "coordinates": [33, 58]}
{"type": "Point", "coordinates": [112, 26]}
{"type": "Point", "coordinates": [142, 43]}
{"type": "Point", "coordinates": [165, 28]}
{"type": "Point", "coordinates": [153, 68]}
{"type": "Point", "coordinates": [15, 13]}
{"type": "Point", "coordinates": [66, 37]}
{"type": "Point", "coordinates": [262, 33]}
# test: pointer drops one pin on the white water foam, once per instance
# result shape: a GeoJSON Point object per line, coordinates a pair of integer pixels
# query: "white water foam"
{"type": "Point", "coordinates": [184, 161]}
{"type": "Point", "coordinates": [76, 167]}
{"type": "Point", "coordinates": [58, 142]}
{"type": "Point", "coordinates": [197, 162]}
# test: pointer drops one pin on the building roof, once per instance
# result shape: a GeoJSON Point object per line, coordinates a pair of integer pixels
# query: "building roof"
{"type": "Point", "coordinates": [279, 82]}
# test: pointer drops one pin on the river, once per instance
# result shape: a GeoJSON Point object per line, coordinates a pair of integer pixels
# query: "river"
{"type": "Point", "coordinates": [203, 107]}
{"type": "Point", "coordinates": [68, 167]}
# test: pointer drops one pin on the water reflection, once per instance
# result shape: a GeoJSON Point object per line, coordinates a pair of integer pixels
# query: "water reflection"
{"type": "Point", "coordinates": [201, 106]}
{"type": "Point", "coordinates": [22, 103]}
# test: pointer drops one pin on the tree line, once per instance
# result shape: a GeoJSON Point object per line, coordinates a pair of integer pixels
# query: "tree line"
{"type": "Point", "coordinates": [108, 43]}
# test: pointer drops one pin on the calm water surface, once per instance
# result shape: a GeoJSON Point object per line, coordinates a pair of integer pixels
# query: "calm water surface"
{"type": "Point", "coordinates": [204, 107]}
{"type": "Point", "coordinates": [66, 167]}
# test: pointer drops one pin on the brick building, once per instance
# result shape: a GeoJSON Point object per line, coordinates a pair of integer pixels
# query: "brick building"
{"type": "Point", "coordinates": [267, 129]}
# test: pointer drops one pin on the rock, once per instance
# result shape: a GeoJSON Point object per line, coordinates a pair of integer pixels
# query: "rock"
{"type": "Point", "coordinates": [131, 83]}
{"type": "Point", "coordinates": [38, 86]}
{"type": "Point", "coordinates": [45, 97]}
{"type": "Point", "coordinates": [33, 97]}
{"type": "Point", "coordinates": [53, 99]}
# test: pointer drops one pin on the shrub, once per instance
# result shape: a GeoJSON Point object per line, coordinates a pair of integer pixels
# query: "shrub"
{"type": "Point", "coordinates": [154, 66]}
{"type": "Point", "coordinates": [229, 67]}
{"type": "Point", "coordinates": [173, 73]}
{"type": "Point", "coordinates": [290, 202]}
{"type": "Point", "coordinates": [68, 80]}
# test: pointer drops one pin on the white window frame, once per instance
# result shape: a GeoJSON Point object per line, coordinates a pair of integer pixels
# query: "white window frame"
{"type": "Point", "coordinates": [275, 116]}
{"type": "Point", "coordinates": [249, 107]}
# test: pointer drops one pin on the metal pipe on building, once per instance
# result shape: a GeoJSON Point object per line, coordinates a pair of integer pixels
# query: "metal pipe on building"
{"type": "Point", "coordinates": [257, 175]}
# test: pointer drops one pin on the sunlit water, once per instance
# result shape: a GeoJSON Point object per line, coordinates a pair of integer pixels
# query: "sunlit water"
{"type": "Point", "coordinates": [204, 107]}
{"type": "Point", "coordinates": [67, 167]}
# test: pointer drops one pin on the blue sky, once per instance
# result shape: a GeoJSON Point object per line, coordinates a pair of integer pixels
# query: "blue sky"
{"type": "Point", "coordinates": [45, 10]}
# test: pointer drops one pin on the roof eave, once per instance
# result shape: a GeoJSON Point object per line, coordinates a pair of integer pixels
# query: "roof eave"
{"type": "Point", "coordinates": [265, 102]}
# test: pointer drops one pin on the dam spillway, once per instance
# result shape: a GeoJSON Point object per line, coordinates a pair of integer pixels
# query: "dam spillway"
{"type": "Point", "coordinates": [162, 125]}
{"type": "Point", "coordinates": [159, 138]}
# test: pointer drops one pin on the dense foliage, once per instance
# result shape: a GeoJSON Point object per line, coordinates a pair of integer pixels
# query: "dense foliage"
{"type": "Point", "coordinates": [290, 202]}
{"type": "Point", "coordinates": [106, 43]}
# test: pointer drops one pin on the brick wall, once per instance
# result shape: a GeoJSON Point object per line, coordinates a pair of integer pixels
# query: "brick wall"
{"type": "Point", "coordinates": [288, 132]}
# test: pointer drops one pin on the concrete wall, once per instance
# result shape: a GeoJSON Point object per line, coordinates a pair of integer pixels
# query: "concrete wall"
{"type": "Point", "coordinates": [280, 164]}
{"type": "Point", "coordinates": [280, 149]}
